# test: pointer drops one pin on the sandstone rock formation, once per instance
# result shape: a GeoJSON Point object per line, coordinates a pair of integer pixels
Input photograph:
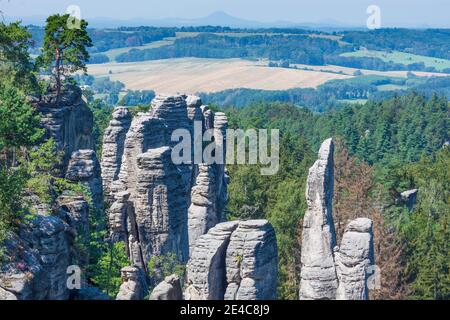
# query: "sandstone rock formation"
{"type": "Point", "coordinates": [234, 261]}
{"type": "Point", "coordinates": [409, 198]}
{"type": "Point", "coordinates": [169, 289]}
{"type": "Point", "coordinates": [353, 258]}
{"type": "Point", "coordinates": [37, 261]}
{"type": "Point", "coordinates": [133, 285]}
{"type": "Point", "coordinates": [251, 262]}
{"type": "Point", "coordinates": [150, 194]}
{"type": "Point", "coordinates": [113, 147]}
{"type": "Point", "coordinates": [37, 257]}
{"type": "Point", "coordinates": [203, 213]}
{"type": "Point", "coordinates": [329, 271]}
{"type": "Point", "coordinates": [74, 210]}
{"type": "Point", "coordinates": [160, 211]}
{"type": "Point", "coordinates": [206, 270]}
{"type": "Point", "coordinates": [69, 123]}
{"type": "Point", "coordinates": [84, 167]}
{"type": "Point", "coordinates": [318, 273]}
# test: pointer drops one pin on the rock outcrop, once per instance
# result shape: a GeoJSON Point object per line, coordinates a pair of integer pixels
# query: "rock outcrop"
{"type": "Point", "coordinates": [113, 148]}
{"type": "Point", "coordinates": [68, 122]}
{"type": "Point", "coordinates": [160, 210]}
{"type": "Point", "coordinates": [149, 194]}
{"type": "Point", "coordinates": [318, 273]}
{"type": "Point", "coordinates": [169, 289]}
{"type": "Point", "coordinates": [252, 262]}
{"type": "Point", "coordinates": [206, 270]}
{"type": "Point", "coordinates": [353, 257]}
{"type": "Point", "coordinates": [203, 212]}
{"type": "Point", "coordinates": [84, 167]}
{"type": "Point", "coordinates": [36, 261]}
{"type": "Point", "coordinates": [37, 257]}
{"type": "Point", "coordinates": [234, 261]}
{"type": "Point", "coordinates": [133, 284]}
{"type": "Point", "coordinates": [409, 198]}
{"type": "Point", "coordinates": [327, 271]}
{"type": "Point", "coordinates": [74, 210]}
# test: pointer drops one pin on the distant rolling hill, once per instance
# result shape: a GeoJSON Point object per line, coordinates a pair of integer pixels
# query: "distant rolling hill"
{"type": "Point", "coordinates": [218, 18]}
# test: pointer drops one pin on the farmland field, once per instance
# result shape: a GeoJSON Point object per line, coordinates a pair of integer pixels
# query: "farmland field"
{"type": "Point", "coordinates": [191, 75]}
{"type": "Point", "coordinates": [401, 57]}
{"type": "Point", "coordinates": [351, 71]}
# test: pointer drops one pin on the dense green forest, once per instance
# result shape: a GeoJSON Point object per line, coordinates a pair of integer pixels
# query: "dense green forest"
{"type": "Point", "coordinates": [334, 94]}
{"type": "Point", "coordinates": [430, 42]}
{"type": "Point", "coordinates": [384, 149]}
{"type": "Point", "coordinates": [295, 48]}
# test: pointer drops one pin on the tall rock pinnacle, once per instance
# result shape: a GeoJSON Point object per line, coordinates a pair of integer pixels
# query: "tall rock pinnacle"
{"type": "Point", "coordinates": [318, 273]}
{"type": "Point", "coordinates": [329, 271]}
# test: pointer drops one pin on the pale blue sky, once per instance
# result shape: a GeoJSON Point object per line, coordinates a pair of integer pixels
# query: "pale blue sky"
{"type": "Point", "coordinates": [394, 12]}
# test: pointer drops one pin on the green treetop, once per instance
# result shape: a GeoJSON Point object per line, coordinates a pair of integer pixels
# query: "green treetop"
{"type": "Point", "coordinates": [15, 63]}
{"type": "Point", "coordinates": [64, 50]}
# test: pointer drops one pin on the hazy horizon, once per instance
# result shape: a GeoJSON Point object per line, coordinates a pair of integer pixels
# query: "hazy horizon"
{"type": "Point", "coordinates": [401, 13]}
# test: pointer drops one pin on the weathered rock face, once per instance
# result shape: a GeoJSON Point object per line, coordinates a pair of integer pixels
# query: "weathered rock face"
{"type": "Point", "coordinates": [118, 215]}
{"type": "Point", "coordinates": [37, 261]}
{"type": "Point", "coordinates": [151, 194]}
{"type": "Point", "coordinates": [209, 191]}
{"type": "Point", "coordinates": [234, 261]}
{"type": "Point", "coordinates": [252, 262]}
{"type": "Point", "coordinates": [84, 167]}
{"type": "Point", "coordinates": [208, 117]}
{"type": "Point", "coordinates": [74, 210]}
{"type": "Point", "coordinates": [330, 272]}
{"type": "Point", "coordinates": [318, 274]}
{"type": "Point", "coordinates": [203, 212]}
{"type": "Point", "coordinates": [220, 128]}
{"type": "Point", "coordinates": [160, 210]}
{"type": "Point", "coordinates": [353, 258]}
{"type": "Point", "coordinates": [173, 111]}
{"type": "Point", "coordinates": [169, 289]}
{"type": "Point", "coordinates": [133, 285]}
{"type": "Point", "coordinates": [409, 198]}
{"type": "Point", "coordinates": [206, 270]}
{"type": "Point", "coordinates": [145, 133]}
{"type": "Point", "coordinates": [38, 257]}
{"type": "Point", "coordinates": [69, 123]}
{"type": "Point", "coordinates": [113, 148]}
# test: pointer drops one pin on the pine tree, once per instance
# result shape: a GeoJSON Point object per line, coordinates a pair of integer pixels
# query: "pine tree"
{"type": "Point", "coordinates": [65, 48]}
